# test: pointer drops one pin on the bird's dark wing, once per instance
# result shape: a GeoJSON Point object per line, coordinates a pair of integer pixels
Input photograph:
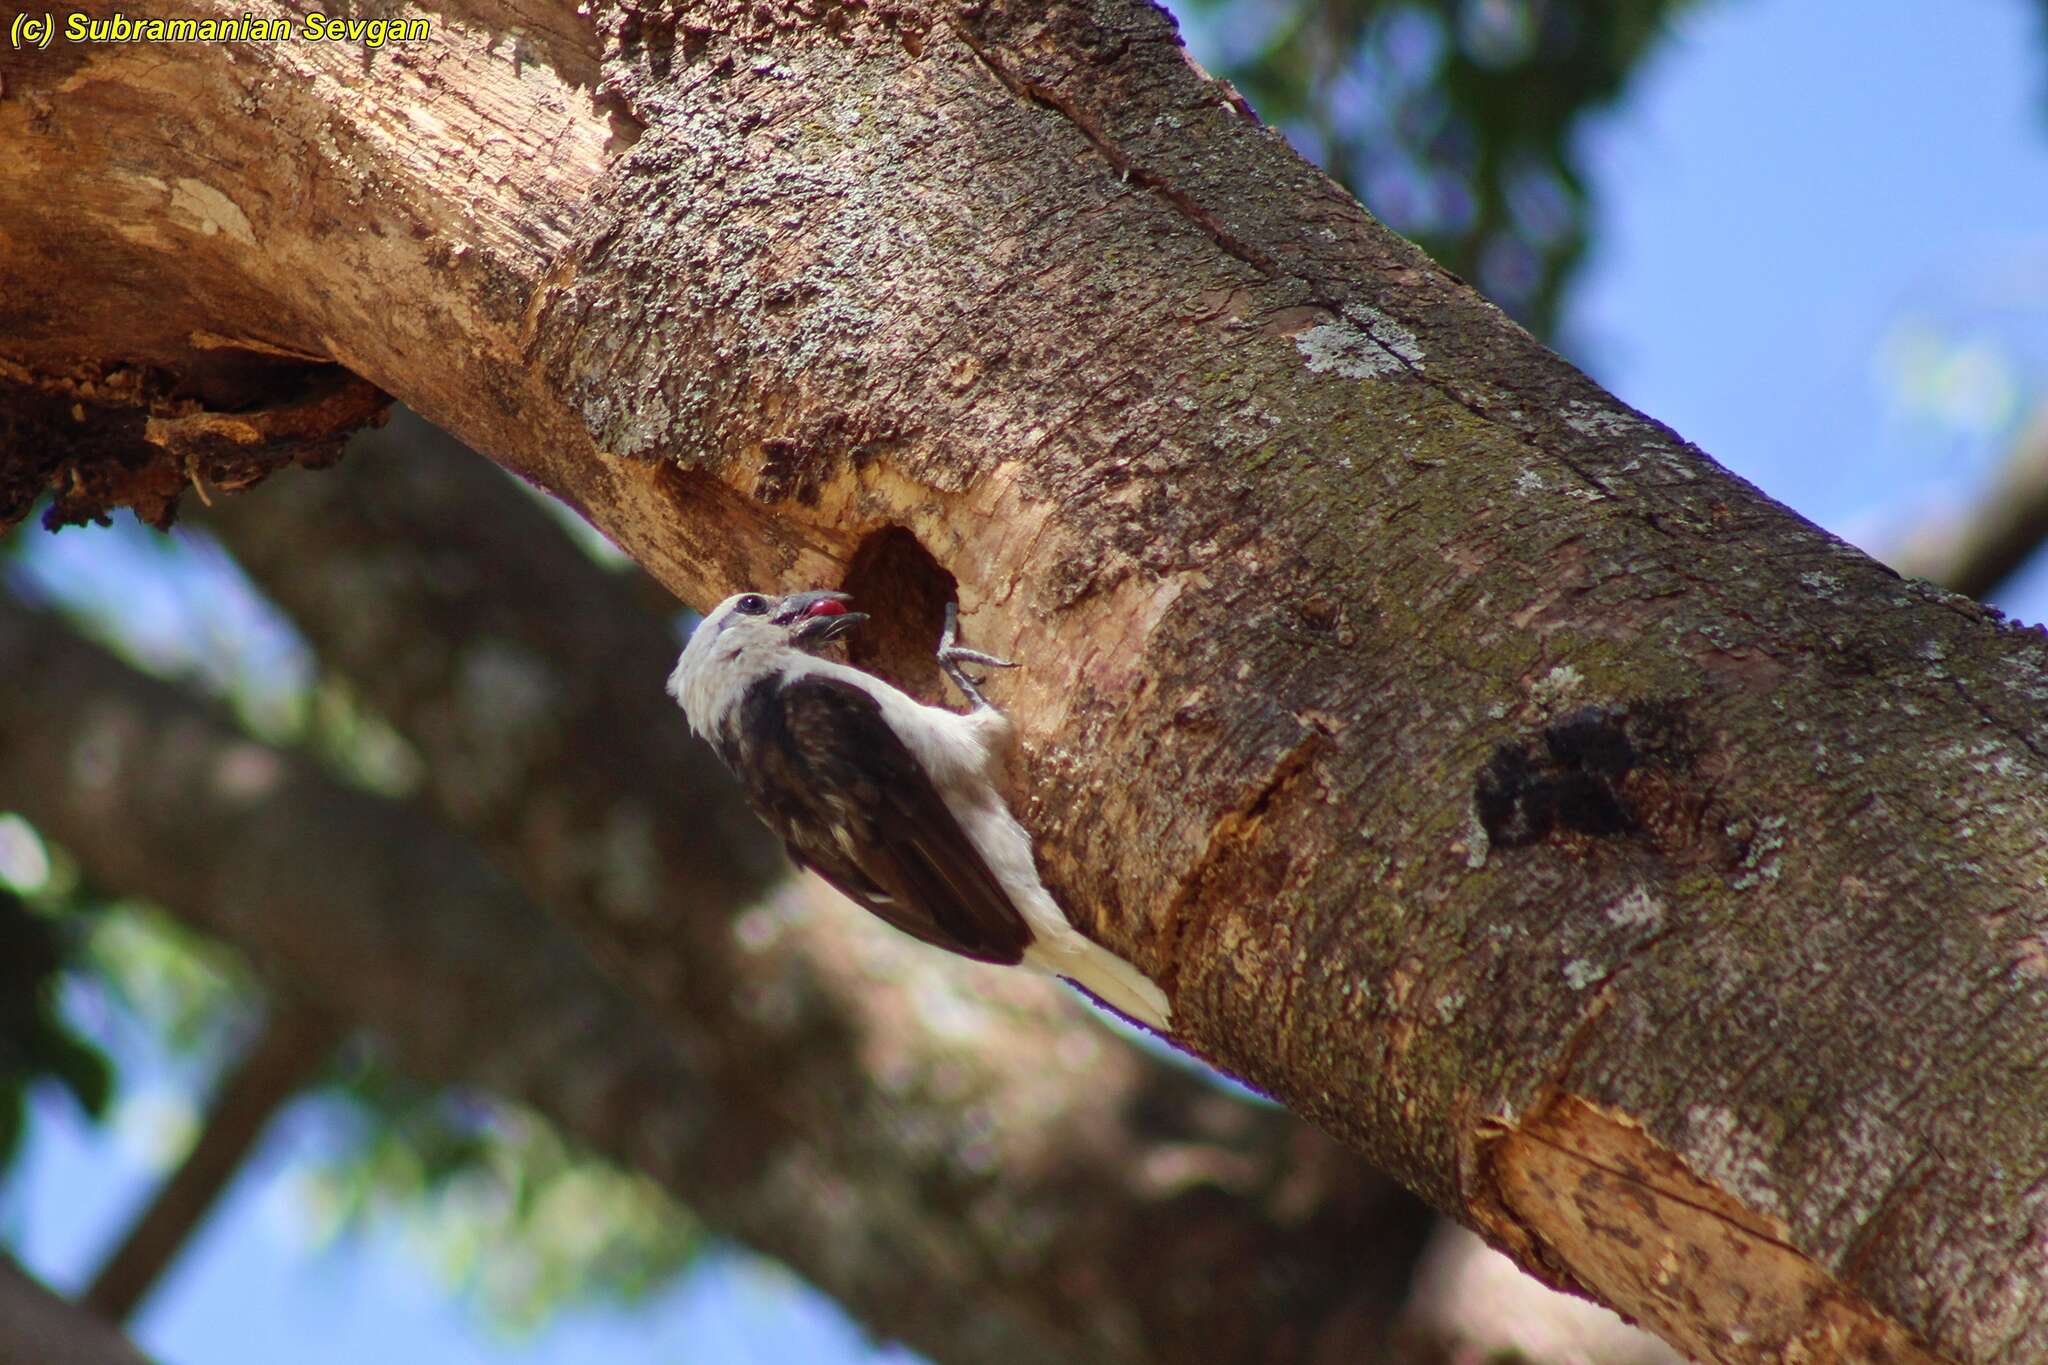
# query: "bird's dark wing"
{"type": "Point", "coordinates": [823, 768]}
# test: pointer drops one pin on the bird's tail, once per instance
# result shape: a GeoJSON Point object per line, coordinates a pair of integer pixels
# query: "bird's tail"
{"type": "Point", "coordinates": [1105, 976]}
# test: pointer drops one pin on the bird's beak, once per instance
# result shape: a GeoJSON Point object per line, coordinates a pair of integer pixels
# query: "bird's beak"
{"type": "Point", "coordinates": [819, 617]}
{"type": "Point", "coordinates": [798, 605]}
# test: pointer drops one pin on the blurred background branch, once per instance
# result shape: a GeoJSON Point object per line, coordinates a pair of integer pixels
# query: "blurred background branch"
{"type": "Point", "coordinates": [291, 1047]}
{"type": "Point", "coordinates": [39, 1326]}
{"type": "Point", "coordinates": [1975, 551]}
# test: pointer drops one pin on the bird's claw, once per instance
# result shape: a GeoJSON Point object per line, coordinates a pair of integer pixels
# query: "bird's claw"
{"type": "Point", "coordinates": [952, 654]}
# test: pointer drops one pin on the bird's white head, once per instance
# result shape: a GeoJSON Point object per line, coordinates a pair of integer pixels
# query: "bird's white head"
{"type": "Point", "coordinates": [746, 637]}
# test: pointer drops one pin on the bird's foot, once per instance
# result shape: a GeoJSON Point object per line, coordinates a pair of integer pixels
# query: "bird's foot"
{"type": "Point", "coordinates": [952, 654]}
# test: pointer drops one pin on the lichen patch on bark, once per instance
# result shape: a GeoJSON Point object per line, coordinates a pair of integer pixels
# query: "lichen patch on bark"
{"type": "Point", "coordinates": [1612, 1211]}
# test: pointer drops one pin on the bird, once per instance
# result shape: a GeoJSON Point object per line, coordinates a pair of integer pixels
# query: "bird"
{"type": "Point", "coordinates": [893, 802]}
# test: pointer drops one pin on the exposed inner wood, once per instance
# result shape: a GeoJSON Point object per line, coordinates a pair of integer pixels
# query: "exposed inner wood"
{"type": "Point", "coordinates": [1596, 1197]}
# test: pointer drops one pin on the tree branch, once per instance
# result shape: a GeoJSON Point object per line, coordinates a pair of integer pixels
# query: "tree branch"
{"type": "Point", "coordinates": [293, 1045]}
{"type": "Point", "coordinates": [38, 1326]}
{"type": "Point", "coordinates": [1523, 798]}
{"type": "Point", "coordinates": [1975, 553]}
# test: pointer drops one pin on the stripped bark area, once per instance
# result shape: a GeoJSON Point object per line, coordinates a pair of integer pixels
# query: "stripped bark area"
{"type": "Point", "coordinates": [1604, 1205]}
{"type": "Point", "coordinates": [1442, 734]}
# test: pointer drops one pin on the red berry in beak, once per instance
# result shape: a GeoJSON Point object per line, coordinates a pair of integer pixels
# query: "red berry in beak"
{"type": "Point", "coordinates": [826, 607]}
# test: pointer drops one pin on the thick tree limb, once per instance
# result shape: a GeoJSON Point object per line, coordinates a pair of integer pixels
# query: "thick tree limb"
{"type": "Point", "coordinates": [986, 1147]}
{"type": "Point", "coordinates": [293, 1045]}
{"type": "Point", "coordinates": [38, 1326]}
{"type": "Point", "coordinates": [1635, 869]}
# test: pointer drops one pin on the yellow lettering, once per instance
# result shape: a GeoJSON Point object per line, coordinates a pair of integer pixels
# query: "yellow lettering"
{"type": "Point", "coordinates": [372, 33]}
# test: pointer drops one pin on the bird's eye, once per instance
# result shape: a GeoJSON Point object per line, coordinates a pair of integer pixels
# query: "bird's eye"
{"type": "Point", "coordinates": [753, 604]}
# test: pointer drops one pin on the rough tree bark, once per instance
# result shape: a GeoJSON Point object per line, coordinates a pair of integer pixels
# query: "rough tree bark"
{"type": "Point", "coordinates": [943, 1145]}
{"type": "Point", "coordinates": [1634, 869]}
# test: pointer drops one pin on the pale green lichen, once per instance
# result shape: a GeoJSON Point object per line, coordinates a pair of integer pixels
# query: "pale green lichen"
{"type": "Point", "coordinates": [1364, 344]}
{"type": "Point", "coordinates": [1579, 973]}
{"type": "Point", "coordinates": [1638, 909]}
{"type": "Point", "coordinates": [1558, 686]}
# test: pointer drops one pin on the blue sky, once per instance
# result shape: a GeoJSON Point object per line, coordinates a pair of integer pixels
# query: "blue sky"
{"type": "Point", "coordinates": [1821, 253]}
{"type": "Point", "coordinates": [1782, 233]}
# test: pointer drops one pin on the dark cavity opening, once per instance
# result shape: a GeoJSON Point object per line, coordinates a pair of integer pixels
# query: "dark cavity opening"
{"type": "Point", "coordinates": [904, 591]}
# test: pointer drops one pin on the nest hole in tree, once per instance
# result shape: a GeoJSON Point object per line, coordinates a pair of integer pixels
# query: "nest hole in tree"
{"type": "Point", "coordinates": [904, 591]}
